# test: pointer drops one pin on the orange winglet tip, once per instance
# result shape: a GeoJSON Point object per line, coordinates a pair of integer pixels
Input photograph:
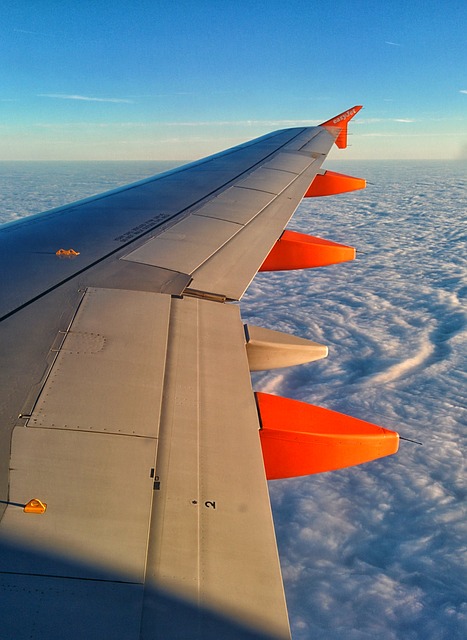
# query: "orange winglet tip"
{"type": "Point", "coordinates": [338, 125]}
{"type": "Point", "coordinates": [299, 251]}
{"type": "Point", "coordinates": [35, 506]}
{"type": "Point", "coordinates": [66, 253]}
{"type": "Point", "coordinates": [331, 183]}
{"type": "Point", "coordinates": [300, 439]}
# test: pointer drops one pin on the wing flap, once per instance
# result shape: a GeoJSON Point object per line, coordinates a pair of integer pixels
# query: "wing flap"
{"type": "Point", "coordinates": [118, 370]}
{"type": "Point", "coordinates": [144, 443]}
{"type": "Point", "coordinates": [98, 493]}
{"type": "Point", "coordinates": [212, 483]}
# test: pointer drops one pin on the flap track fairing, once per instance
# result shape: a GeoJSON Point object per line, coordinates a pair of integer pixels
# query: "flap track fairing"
{"type": "Point", "coordinates": [268, 349]}
{"type": "Point", "coordinates": [299, 251]}
{"type": "Point", "coordinates": [300, 439]}
{"type": "Point", "coordinates": [331, 183]}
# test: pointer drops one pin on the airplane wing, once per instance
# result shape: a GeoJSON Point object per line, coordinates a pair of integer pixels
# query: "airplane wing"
{"type": "Point", "coordinates": [134, 454]}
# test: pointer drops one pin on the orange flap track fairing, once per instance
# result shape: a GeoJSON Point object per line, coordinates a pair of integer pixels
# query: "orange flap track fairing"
{"type": "Point", "coordinates": [331, 183]}
{"type": "Point", "coordinates": [299, 251]}
{"type": "Point", "coordinates": [300, 439]}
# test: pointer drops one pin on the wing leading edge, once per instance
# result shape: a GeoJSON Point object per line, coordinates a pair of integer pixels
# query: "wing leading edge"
{"type": "Point", "coordinates": [131, 413]}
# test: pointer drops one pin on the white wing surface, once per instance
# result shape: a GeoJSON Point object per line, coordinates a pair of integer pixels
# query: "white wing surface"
{"type": "Point", "coordinates": [126, 403]}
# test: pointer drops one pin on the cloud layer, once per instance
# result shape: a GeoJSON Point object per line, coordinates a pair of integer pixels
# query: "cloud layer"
{"type": "Point", "coordinates": [374, 551]}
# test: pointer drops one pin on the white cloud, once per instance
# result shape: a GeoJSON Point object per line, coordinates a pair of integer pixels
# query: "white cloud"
{"type": "Point", "coordinates": [243, 123]}
{"type": "Point", "coordinates": [463, 91]}
{"type": "Point", "coordinates": [393, 44]}
{"type": "Point", "coordinates": [31, 33]}
{"type": "Point", "coordinates": [378, 120]}
{"type": "Point", "coordinates": [66, 96]}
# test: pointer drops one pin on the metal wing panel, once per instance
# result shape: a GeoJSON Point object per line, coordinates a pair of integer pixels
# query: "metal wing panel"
{"type": "Point", "coordinates": [236, 205]}
{"type": "Point", "coordinates": [289, 161]}
{"type": "Point", "coordinates": [212, 484]}
{"type": "Point", "coordinates": [90, 606]}
{"type": "Point", "coordinates": [108, 376]}
{"type": "Point", "coordinates": [303, 138]}
{"type": "Point", "coordinates": [319, 144]}
{"type": "Point", "coordinates": [144, 435]}
{"type": "Point", "coordinates": [269, 180]}
{"type": "Point", "coordinates": [229, 271]}
{"type": "Point", "coordinates": [186, 245]}
{"type": "Point", "coordinates": [100, 226]}
{"type": "Point", "coordinates": [188, 490]}
{"type": "Point", "coordinates": [98, 491]}
{"type": "Point", "coordinates": [220, 256]}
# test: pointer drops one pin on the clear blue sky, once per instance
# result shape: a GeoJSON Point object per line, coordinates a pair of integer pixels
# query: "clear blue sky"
{"type": "Point", "coordinates": [178, 80]}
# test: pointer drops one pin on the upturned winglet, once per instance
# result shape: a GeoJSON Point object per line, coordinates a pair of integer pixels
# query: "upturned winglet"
{"type": "Point", "coordinates": [338, 125]}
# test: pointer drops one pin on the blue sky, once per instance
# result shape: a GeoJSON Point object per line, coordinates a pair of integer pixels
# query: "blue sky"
{"type": "Point", "coordinates": [179, 80]}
